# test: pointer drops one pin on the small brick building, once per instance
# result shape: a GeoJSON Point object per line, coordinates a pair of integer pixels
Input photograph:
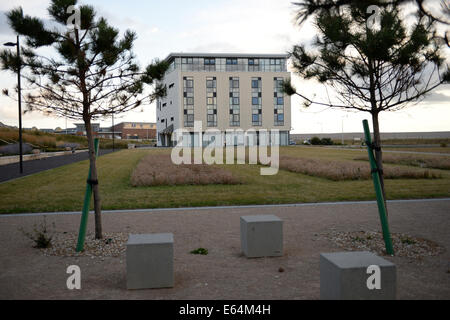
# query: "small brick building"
{"type": "Point", "coordinates": [136, 130]}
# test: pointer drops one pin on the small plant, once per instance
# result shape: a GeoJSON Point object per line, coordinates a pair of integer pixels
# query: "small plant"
{"type": "Point", "coordinates": [408, 241]}
{"type": "Point", "coordinates": [443, 145]}
{"type": "Point", "coordinates": [41, 235]}
{"type": "Point", "coordinates": [201, 251]}
{"type": "Point", "coordinates": [357, 239]}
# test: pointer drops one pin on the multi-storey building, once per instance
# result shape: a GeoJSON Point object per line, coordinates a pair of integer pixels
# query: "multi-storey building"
{"type": "Point", "coordinates": [224, 92]}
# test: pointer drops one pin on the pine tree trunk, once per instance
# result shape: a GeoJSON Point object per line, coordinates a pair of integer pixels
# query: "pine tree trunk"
{"type": "Point", "coordinates": [378, 152]}
{"type": "Point", "coordinates": [94, 177]}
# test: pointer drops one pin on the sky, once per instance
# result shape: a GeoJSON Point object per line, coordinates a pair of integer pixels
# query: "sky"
{"type": "Point", "coordinates": [221, 26]}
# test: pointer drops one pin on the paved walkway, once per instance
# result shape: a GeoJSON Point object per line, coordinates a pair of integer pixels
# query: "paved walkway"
{"type": "Point", "coordinates": [11, 171]}
{"type": "Point", "coordinates": [224, 273]}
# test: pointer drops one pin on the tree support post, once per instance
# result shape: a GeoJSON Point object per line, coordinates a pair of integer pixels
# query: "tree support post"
{"type": "Point", "coordinates": [86, 206]}
{"type": "Point", "coordinates": [378, 191]}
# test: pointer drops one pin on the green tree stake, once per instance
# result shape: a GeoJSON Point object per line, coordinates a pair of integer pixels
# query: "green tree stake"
{"type": "Point", "coordinates": [378, 191]}
{"type": "Point", "coordinates": [87, 203]}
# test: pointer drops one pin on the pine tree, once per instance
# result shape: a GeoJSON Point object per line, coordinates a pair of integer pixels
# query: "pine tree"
{"type": "Point", "coordinates": [438, 11]}
{"type": "Point", "coordinates": [91, 73]}
{"type": "Point", "coordinates": [372, 68]}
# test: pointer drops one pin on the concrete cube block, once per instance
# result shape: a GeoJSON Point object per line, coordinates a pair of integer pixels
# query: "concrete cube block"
{"type": "Point", "coordinates": [150, 261]}
{"type": "Point", "coordinates": [344, 276]}
{"type": "Point", "coordinates": [262, 236]}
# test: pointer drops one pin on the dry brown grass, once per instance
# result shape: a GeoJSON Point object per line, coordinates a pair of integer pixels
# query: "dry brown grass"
{"type": "Point", "coordinates": [41, 140]}
{"type": "Point", "coordinates": [436, 162]}
{"type": "Point", "coordinates": [158, 170]}
{"type": "Point", "coordinates": [36, 140]}
{"type": "Point", "coordinates": [348, 170]}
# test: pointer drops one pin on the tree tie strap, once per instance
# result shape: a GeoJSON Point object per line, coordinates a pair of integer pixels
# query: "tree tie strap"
{"type": "Point", "coordinates": [377, 170]}
{"type": "Point", "coordinates": [92, 182]}
{"type": "Point", "coordinates": [373, 146]}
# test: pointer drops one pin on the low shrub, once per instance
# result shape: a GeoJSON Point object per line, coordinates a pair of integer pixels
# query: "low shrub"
{"type": "Point", "coordinates": [326, 142]}
{"type": "Point", "coordinates": [348, 170]}
{"type": "Point", "coordinates": [118, 144]}
{"type": "Point", "coordinates": [158, 170]}
{"type": "Point", "coordinates": [436, 162]}
{"type": "Point", "coordinates": [316, 141]}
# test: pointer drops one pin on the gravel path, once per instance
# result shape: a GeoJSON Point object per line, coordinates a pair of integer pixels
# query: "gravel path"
{"type": "Point", "coordinates": [29, 273]}
{"type": "Point", "coordinates": [11, 171]}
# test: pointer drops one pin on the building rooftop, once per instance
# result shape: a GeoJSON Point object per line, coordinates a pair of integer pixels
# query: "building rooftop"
{"type": "Point", "coordinates": [225, 55]}
{"type": "Point", "coordinates": [126, 122]}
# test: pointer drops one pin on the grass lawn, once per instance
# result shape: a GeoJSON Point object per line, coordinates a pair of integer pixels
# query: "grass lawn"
{"type": "Point", "coordinates": [62, 189]}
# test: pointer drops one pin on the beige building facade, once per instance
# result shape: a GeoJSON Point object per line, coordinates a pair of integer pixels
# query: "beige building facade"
{"type": "Point", "coordinates": [224, 92]}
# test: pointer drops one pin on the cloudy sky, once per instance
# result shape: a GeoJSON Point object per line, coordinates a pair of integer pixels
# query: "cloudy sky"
{"type": "Point", "coordinates": [229, 26]}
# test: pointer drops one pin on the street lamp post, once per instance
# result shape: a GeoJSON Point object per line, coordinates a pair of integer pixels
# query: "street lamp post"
{"type": "Point", "coordinates": [113, 130]}
{"type": "Point", "coordinates": [346, 116]}
{"type": "Point", "coordinates": [17, 44]}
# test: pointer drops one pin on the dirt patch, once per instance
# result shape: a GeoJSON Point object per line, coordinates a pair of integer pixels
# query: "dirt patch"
{"type": "Point", "coordinates": [404, 245]}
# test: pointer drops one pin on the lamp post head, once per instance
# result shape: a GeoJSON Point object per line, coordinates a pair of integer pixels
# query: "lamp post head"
{"type": "Point", "coordinates": [10, 44]}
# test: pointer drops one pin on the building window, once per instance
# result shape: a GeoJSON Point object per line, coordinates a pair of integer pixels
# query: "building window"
{"type": "Point", "coordinates": [256, 102]}
{"type": "Point", "coordinates": [278, 102]}
{"type": "Point", "coordinates": [209, 64]}
{"type": "Point", "coordinates": [188, 93]}
{"type": "Point", "coordinates": [235, 117]}
{"type": "Point", "coordinates": [211, 101]}
{"type": "Point", "coordinates": [187, 61]}
{"type": "Point", "coordinates": [191, 64]}
{"type": "Point", "coordinates": [253, 65]}
{"type": "Point", "coordinates": [235, 64]}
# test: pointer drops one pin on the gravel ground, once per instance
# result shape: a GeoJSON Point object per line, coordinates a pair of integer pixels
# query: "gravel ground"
{"type": "Point", "coordinates": [28, 273]}
{"type": "Point", "coordinates": [11, 171]}
{"type": "Point", "coordinates": [404, 245]}
{"type": "Point", "coordinates": [64, 245]}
